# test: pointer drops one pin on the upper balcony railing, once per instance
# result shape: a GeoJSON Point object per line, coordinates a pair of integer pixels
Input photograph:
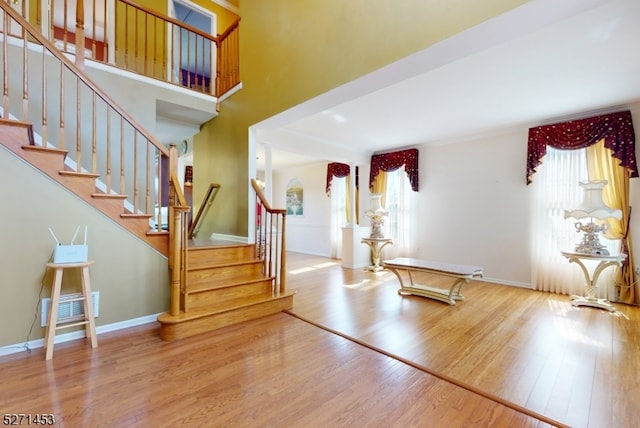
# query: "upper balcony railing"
{"type": "Point", "coordinates": [138, 39]}
{"type": "Point", "coordinates": [69, 112]}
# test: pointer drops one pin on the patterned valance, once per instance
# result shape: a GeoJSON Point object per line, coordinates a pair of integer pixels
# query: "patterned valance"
{"type": "Point", "coordinates": [616, 129]}
{"type": "Point", "coordinates": [391, 161]}
{"type": "Point", "coordinates": [337, 169]}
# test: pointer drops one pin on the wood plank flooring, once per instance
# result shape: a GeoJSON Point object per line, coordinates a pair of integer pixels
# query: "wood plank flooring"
{"type": "Point", "coordinates": [504, 357]}
{"type": "Point", "coordinates": [577, 366]}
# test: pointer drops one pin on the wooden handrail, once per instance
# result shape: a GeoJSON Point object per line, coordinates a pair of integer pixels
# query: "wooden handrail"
{"type": "Point", "coordinates": [103, 139]}
{"type": "Point", "coordinates": [263, 199]}
{"type": "Point", "coordinates": [35, 34]}
{"type": "Point", "coordinates": [170, 20]}
{"type": "Point", "coordinates": [235, 24]}
{"type": "Point", "coordinates": [212, 191]}
{"type": "Point", "coordinates": [271, 238]}
{"type": "Point", "coordinates": [182, 201]}
{"type": "Point", "coordinates": [199, 75]}
{"type": "Point", "coordinates": [147, 46]}
{"type": "Point", "coordinates": [86, 115]}
{"type": "Point", "coordinates": [228, 67]}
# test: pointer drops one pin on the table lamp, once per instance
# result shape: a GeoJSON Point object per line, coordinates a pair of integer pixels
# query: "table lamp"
{"type": "Point", "coordinates": [376, 214]}
{"type": "Point", "coordinates": [593, 208]}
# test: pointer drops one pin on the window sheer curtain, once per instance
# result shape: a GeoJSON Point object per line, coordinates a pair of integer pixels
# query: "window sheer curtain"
{"type": "Point", "coordinates": [338, 219]}
{"type": "Point", "coordinates": [338, 189]}
{"type": "Point", "coordinates": [616, 134]}
{"type": "Point", "coordinates": [400, 201]}
{"type": "Point", "coordinates": [395, 176]}
{"type": "Point", "coordinates": [556, 189]}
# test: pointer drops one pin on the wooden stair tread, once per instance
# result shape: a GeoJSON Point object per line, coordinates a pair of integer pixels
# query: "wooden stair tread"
{"type": "Point", "coordinates": [34, 148]}
{"type": "Point", "coordinates": [78, 174]}
{"type": "Point", "coordinates": [108, 196]}
{"type": "Point", "coordinates": [158, 233]}
{"type": "Point", "coordinates": [236, 289]}
{"type": "Point", "coordinates": [216, 244]}
{"type": "Point", "coordinates": [17, 136]}
{"type": "Point", "coordinates": [207, 286]}
{"type": "Point", "coordinates": [132, 215]}
{"type": "Point", "coordinates": [203, 266]}
{"type": "Point", "coordinates": [167, 318]}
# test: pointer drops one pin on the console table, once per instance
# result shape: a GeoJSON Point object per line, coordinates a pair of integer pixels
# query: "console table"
{"type": "Point", "coordinates": [590, 299]}
{"type": "Point", "coordinates": [376, 245]}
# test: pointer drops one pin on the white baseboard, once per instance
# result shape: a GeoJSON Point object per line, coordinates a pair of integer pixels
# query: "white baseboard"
{"type": "Point", "coordinates": [355, 266]}
{"type": "Point", "coordinates": [67, 337]}
{"type": "Point", "coordinates": [231, 238]}
{"type": "Point", "coordinates": [504, 282]}
{"type": "Point", "coordinates": [307, 252]}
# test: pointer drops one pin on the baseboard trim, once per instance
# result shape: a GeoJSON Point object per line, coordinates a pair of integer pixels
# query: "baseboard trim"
{"type": "Point", "coordinates": [310, 253]}
{"type": "Point", "coordinates": [504, 282]}
{"type": "Point", "coordinates": [355, 266]}
{"type": "Point", "coordinates": [231, 238]}
{"type": "Point", "coordinates": [67, 337]}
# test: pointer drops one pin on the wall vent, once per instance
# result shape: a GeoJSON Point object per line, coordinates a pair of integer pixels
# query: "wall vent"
{"type": "Point", "coordinates": [69, 309]}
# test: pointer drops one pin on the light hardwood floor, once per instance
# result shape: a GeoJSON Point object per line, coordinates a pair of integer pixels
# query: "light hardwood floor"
{"type": "Point", "coordinates": [352, 353]}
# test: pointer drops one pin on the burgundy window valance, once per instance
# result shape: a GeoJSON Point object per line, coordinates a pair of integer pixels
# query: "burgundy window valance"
{"type": "Point", "coordinates": [337, 169]}
{"type": "Point", "coordinates": [615, 128]}
{"type": "Point", "coordinates": [391, 161]}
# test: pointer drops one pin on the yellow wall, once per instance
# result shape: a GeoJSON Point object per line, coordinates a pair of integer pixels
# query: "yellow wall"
{"type": "Point", "coordinates": [131, 277]}
{"type": "Point", "coordinates": [291, 51]}
{"type": "Point", "coordinates": [224, 17]}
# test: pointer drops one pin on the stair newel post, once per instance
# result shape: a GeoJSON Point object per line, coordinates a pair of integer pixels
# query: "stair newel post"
{"type": "Point", "coordinates": [169, 198]}
{"type": "Point", "coordinates": [174, 264]}
{"type": "Point", "coordinates": [80, 34]}
{"type": "Point", "coordinates": [175, 235]}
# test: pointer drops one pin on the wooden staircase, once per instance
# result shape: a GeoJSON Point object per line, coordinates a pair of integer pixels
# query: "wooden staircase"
{"type": "Point", "coordinates": [225, 284]}
{"type": "Point", "coordinates": [211, 286]}
{"type": "Point", "coordinates": [17, 136]}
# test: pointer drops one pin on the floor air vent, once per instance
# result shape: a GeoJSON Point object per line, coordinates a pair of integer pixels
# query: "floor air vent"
{"type": "Point", "coordinates": [69, 309]}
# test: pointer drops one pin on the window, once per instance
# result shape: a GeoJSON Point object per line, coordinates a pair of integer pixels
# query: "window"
{"type": "Point", "coordinates": [556, 189]}
{"type": "Point", "coordinates": [338, 214]}
{"type": "Point", "coordinates": [399, 201]}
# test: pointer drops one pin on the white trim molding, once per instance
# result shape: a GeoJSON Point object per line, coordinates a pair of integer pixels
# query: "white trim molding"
{"type": "Point", "coordinates": [67, 337]}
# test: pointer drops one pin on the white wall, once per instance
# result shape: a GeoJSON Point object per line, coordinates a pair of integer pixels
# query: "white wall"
{"type": "Point", "coordinates": [309, 233]}
{"type": "Point", "coordinates": [474, 206]}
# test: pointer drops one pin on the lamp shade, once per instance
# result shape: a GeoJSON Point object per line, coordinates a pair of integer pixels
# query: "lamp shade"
{"type": "Point", "coordinates": [592, 204]}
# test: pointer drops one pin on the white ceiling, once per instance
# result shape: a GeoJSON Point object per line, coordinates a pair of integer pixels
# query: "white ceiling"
{"type": "Point", "coordinates": [545, 61]}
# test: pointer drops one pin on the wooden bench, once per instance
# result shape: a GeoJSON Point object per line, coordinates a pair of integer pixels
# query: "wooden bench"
{"type": "Point", "coordinates": [461, 274]}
